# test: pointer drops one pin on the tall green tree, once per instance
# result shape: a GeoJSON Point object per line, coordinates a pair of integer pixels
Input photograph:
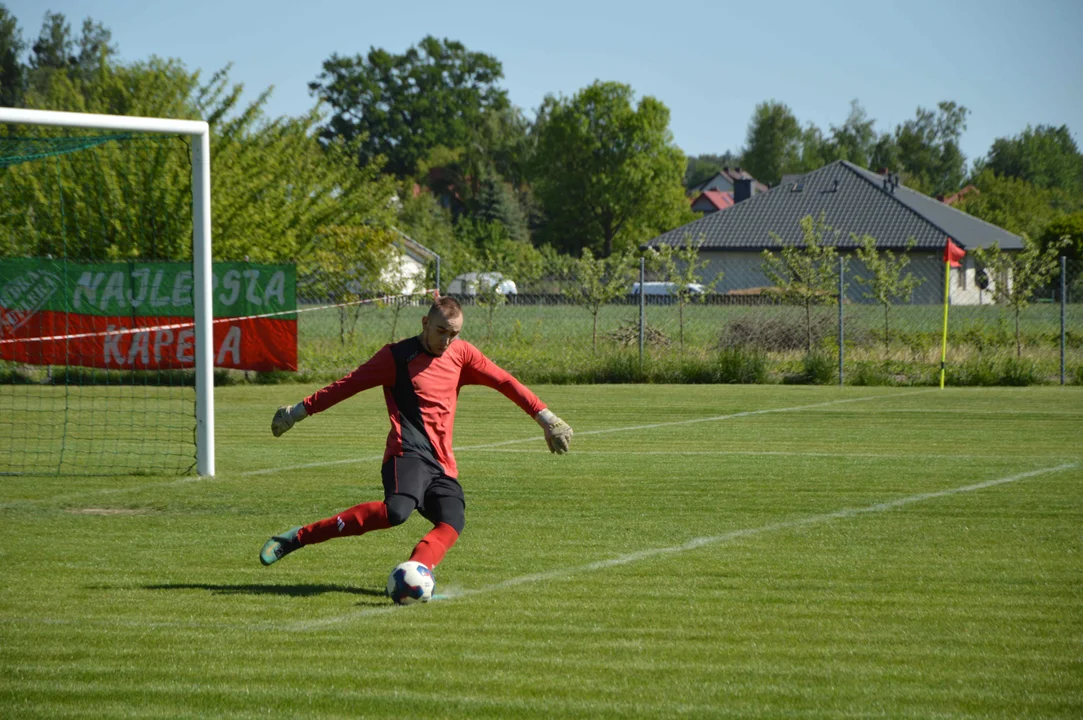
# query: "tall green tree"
{"type": "Point", "coordinates": [607, 172]}
{"type": "Point", "coordinates": [1014, 204]}
{"type": "Point", "coordinates": [1066, 232]}
{"type": "Point", "coordinates": [275, 186]}
{"type": "Point", "coordinates": [1045, 156]}
{"type": "Point", "coordinates": [926, 149]}
{"type": "Point", "coordinates": [855, 139]}
{"type": "Point", "coordinates": [397, 108]}
{"type": "Point", "coordinates": [498, 202]}
{"type": "Point", "coordinates": [12, 69]}
{"type": "Point", "coordinates": [774, 143]}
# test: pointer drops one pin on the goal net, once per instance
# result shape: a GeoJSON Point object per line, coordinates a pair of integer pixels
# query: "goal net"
{"type": "Point", "coordinates": [104, 289]}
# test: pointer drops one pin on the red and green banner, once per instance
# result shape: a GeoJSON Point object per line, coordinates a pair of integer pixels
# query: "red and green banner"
{"type": "Point", "coordinates": [138, 316]}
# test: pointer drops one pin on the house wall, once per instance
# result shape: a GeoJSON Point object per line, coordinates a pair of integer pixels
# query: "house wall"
{"type": "Point", "coordinates": [719, 183]}
{"type": "Point", "coordinates": [743, 270]}
{"type": "Point", "coordinates": [411, 272]}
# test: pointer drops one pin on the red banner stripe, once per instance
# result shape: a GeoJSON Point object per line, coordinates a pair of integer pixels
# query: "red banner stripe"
{"type": "Point", "coordinates": [260, 344]}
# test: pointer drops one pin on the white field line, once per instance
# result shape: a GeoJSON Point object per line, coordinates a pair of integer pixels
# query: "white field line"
{"type": "Point", "coordinates": [605, 431]}
{"type": "Point", "coordinates": [779, 453]}
{"type": "Point", "coordinates": [693, 544]}
{"type": "Point", "coordinates": [486, 446]}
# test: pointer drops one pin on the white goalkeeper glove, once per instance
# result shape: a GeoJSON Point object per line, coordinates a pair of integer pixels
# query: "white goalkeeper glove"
{"type": "Point", "coordinates": [286, 417]}
{"type": "Point", "coordinates": [558, 434]}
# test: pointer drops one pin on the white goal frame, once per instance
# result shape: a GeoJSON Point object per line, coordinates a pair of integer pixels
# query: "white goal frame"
{"type": "Point", "coordinates": [199, 133]}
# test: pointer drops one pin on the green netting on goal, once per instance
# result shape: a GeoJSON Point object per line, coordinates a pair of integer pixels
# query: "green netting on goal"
{"type": "Point", "coordinates": [93, 378]}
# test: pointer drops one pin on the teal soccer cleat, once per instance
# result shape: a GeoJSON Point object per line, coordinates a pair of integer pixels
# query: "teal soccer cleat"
{"type": "Point", "coordinates": [280, 546]}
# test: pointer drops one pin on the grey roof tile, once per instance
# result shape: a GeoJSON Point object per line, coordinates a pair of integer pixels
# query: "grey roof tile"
{"type": "Point", "coordinates": [857, 204]}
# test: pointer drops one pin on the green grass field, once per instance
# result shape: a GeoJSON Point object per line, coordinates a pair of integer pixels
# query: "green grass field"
{"type": "Point", "coordinates": [709, 551]}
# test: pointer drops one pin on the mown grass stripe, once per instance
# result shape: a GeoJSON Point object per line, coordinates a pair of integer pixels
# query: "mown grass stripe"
{"type": "Point", "coordinates": [467, 448]}
{"type": "Point", "coordinates": [694, 544]}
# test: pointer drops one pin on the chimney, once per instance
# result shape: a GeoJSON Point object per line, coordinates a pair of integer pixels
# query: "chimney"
{"type": "Point", "coordinates": [742, 189]}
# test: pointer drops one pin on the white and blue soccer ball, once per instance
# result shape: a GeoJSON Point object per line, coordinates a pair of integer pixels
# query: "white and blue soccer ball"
{"type": "Point", "coordinates": [410, 582]}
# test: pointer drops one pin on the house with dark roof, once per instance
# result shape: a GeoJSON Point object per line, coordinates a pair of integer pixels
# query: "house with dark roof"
{"type": "Point", "coordinates": [853, 202]}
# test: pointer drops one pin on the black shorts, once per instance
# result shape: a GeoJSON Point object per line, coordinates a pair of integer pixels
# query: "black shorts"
{"type": "Point", "coordinates": [439, 498]}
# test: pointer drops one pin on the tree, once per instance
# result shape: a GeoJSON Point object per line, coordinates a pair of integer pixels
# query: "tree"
{"type": "Point", "coordinates": [805, 273]}
{"type": "Point", "coordinates": [607, 174]}
{"type": "Point", "coordinates": [12, 70]}
{"type": "Point", "coordinates": [275, 186]}
{"type": "Point", "coordinates": [599, 281]}
{"type": "Point", "coordinates": [1011, 203]}
{"type": "Point", "coordinates": [927, 149]}
{"type": "Point", "coordinates": [701, 168]}
{"type": "Point", "coordinates": [681, 268]}
{"type": "Point", "coordinates": [886, 282]}
{"type": "Point", "coordinates": [1044, 156]}
{"type": "Point", "coordinates": [495, 253]}
{"type": "Point", "coordinates": [855, 139]}
{"type": "Point", "coordinates": [1016, 276]}
{"type": "Point", "coordinates": [774, 143]}
{"type": "Point", "coordinates": [1066, 232]}
{"type": "Point", "coordinates": [397, 108]}
{"type": "Point", "coordinates": [345, 265]}
{"type": "Point", "coordinates": [498, 203]}
{"type": "Point", "coordinates": [54, 49]}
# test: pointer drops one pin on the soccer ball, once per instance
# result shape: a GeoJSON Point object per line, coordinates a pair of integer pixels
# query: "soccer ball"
{"type": "Point", "coordinates": [410, 582]}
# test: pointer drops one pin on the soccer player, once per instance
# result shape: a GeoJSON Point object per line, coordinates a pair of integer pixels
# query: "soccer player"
{"type": "Point", "coordinates": [421, 378]}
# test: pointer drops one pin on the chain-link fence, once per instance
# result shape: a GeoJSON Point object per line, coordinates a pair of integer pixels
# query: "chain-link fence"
{"type": "Point", "coordinates": [749, 333]}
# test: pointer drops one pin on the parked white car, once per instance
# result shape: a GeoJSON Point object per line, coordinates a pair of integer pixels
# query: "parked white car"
{"type": "Point", "coordinates": [469, 283]}
{"type": "Point", "coordinates": [666, 288]}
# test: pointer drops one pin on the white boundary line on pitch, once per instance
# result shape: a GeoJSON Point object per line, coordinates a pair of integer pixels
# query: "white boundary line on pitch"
{"type": "Point", "coordinates": [781, 453]}
{"type": "Point", "coordinates": [606, 431]}
{"type": "Point", "coordinates": [693, 544]}
{"type": "Point", "coordinates": [486, 446]}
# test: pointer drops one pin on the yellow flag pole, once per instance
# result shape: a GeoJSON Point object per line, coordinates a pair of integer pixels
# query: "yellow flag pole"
{"type": "Point", "coordinates": [944, 344]}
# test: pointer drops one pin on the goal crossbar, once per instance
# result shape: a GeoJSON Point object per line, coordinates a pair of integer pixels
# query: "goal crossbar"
{"type": "Point", "coordinates": [199, 133]}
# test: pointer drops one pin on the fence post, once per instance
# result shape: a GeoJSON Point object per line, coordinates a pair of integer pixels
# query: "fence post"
{"type": "Point", "coordinates": [642, 307]}
{"type": "Point", "coordinates": [842, 266]}
{"type": "Point", "coordinates": [1063, 302]}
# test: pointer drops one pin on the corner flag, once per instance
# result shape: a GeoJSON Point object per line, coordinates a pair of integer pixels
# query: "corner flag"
{"type": "Point", "coordinates": [953, 254]}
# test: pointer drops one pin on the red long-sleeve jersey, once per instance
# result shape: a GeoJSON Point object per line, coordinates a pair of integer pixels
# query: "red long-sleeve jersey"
{"type": "Point", "coordinates": [421, 392]}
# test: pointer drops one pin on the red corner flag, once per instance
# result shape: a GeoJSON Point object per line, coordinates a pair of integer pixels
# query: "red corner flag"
{"type": "Point", "coordinates": [953, 254]}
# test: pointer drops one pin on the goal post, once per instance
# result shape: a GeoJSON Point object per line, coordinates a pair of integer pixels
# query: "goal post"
{"type": "Point", "coordinates": [198, 134]}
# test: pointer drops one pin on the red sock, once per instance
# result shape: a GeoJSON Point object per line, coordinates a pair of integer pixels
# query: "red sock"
{"type": "Point", "coordinates": [432, 548]}
{"type": "Point", "coordinates": [358, 520]}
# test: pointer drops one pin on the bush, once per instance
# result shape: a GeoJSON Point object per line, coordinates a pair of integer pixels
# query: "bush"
{"type": "Point", "coordinates": [816, 369]}
{"type": "Point", "coordinates": [988, 372]}
{"type": "Point", "coordinates": [741, 365]}
{"type": "Point", "coordinates": [869, 374]}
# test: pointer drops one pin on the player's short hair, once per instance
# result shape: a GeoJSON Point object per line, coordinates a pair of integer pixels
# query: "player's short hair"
{"type": "Point", "coordinates": [449, 307]}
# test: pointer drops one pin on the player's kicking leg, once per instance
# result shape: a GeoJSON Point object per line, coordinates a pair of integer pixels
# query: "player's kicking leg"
{"type": "Point", "coordinates": [358, 520]}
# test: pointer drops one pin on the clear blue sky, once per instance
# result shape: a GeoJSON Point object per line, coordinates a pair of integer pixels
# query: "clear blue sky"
{"type": "Point", "coordinates": [1011, 63]}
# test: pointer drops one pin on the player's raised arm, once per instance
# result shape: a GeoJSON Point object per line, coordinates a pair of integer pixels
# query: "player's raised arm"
{"type": "Point", "coordinates": [480, 370]}
{"type": "Point", "coordinates": [377, 371]}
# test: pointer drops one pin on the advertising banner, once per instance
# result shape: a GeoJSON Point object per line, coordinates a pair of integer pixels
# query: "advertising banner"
{"type": "Point", "coordinates": [138, 316]}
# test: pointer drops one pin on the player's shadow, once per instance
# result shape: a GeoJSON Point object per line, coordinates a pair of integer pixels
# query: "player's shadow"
{"type": "Point", "coordinates": [297, 590]}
